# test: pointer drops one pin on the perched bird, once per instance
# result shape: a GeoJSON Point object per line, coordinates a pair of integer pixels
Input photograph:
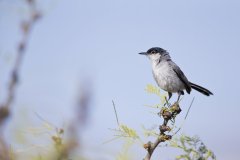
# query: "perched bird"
{"type": "Point", "coordinates": [169, 76]}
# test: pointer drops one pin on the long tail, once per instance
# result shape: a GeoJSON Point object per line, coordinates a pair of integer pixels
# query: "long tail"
{"type": "Point", "coordinates": [201, 89]}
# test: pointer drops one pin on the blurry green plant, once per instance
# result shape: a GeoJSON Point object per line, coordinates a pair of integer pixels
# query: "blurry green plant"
{"type": "Point", "coordinates": [151, 89]}
{"type": "Point", "coordinates": [193, 148]}
{"type": "Point", "coordinates": [45, 142]}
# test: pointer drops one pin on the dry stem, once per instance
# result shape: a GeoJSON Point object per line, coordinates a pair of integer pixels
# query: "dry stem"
{"type": "Point", "coordinates": [168, 114]}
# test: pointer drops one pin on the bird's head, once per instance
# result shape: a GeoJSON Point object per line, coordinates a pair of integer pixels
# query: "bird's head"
{"type": "Point", "coordinates": [154, 53]}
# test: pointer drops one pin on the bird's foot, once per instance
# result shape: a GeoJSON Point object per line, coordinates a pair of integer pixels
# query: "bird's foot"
{"type": "Point", "coordinates": [167, 102]}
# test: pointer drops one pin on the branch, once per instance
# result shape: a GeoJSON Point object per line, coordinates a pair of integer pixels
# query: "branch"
{"type": "Point", "coordinates": [5, 107]}
{"type": "Point", "coordinates": [167, 114]}
{"type": "Point", "coordinates": [26, 27]}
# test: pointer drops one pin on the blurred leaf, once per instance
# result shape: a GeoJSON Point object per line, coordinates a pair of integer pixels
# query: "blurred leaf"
{"type": "Point", "coordinates": [193, 148]}
{"type": "Point", "coordinates": [152, 89]}
{"type": "Point", "coordinates": [128, 132]}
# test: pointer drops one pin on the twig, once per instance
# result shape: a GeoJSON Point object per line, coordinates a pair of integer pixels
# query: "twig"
{"type": "Point", "coordinates": [189, 108]}
{"type": "Point", "coordinates": [185, 116]}
{"type": "Point", "coordinates": [115, 111]}
{"type": "Point", "coordinates": [168, 114]}
{"type": "Point", "coordinates": [5, 107]}
{"type": "Point", "coordinates": [14, 75]}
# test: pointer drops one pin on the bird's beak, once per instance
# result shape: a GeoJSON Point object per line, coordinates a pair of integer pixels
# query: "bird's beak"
{"type": "Point", "coordinates": [143, 53]}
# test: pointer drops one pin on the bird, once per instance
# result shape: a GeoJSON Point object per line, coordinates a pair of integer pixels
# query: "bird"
{"type": "Point", "coordinates": [168, 74]}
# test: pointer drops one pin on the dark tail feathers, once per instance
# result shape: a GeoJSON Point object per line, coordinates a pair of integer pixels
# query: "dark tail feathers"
{"type": "Point", "coordinates": [201, 89]}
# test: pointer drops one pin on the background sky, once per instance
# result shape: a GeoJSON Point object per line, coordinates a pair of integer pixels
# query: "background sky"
{"type": "Point", "coordinates": [96, 43]}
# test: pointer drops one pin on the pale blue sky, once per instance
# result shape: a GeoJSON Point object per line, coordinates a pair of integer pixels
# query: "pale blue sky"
{"type": "Point", "coordinates": [100, 40]}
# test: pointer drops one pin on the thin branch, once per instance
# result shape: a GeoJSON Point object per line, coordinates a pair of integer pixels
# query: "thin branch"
{"type": "Point", "coordinates": [115, 111]}
{"type": "Point", "coordinates": [168, 114]}
{"type": "Point", "coordinates": [5, 107]}
{"type": "Point", "coordinates": [185, 116]}
{"type": "Point", "coordinates": [26, 27]}
{"type": "Point", "coordinates": [189, 108]}
{"type": "Point", "coordinates": [44, 120]}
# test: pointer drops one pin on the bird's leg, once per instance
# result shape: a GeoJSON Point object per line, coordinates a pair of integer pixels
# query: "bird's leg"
{"type": "Point", "coordinates": [167, 100]}
{"type": "Point", "coordinates": [179, 95]}
{"type": "Point", "coordinates": [169, 95]}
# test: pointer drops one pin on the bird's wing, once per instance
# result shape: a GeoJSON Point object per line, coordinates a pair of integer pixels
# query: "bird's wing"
{"type": "Point", "coordinates": [181, 76]}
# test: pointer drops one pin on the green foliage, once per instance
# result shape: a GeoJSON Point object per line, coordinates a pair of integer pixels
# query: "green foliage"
{"type": "Point", "coordinates": [128, 132]}
{"type": "Point", "coordinates": [60, 147]}
{"type": "Point", "coordinates": [124, 131]}
{"type": "Point", "coordinates": [130, 137]}
{"type": "Point", "coordinates": [193, 148]}
{"type": "Point", "coordinates": [151, 89]}
{"type": "Point", "coordinates": [150, 132]}
{"type": "Point", "coordinates": [125, 153]}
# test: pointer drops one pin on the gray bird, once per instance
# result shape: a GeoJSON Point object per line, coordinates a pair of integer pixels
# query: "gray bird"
{"type": "Point", "coordinates": [169, 76]}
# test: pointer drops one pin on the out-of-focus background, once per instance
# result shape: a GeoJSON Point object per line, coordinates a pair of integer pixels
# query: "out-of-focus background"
{"type": "Point", "coordinates": [90, 45]}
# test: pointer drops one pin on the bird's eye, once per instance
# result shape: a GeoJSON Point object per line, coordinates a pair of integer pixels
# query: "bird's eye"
{"type": "Point", "coordinates": [153, 51]}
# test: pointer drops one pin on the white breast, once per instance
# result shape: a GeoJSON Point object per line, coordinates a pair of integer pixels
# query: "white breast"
{"type": "Point", "coordinates": [166, 78]}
